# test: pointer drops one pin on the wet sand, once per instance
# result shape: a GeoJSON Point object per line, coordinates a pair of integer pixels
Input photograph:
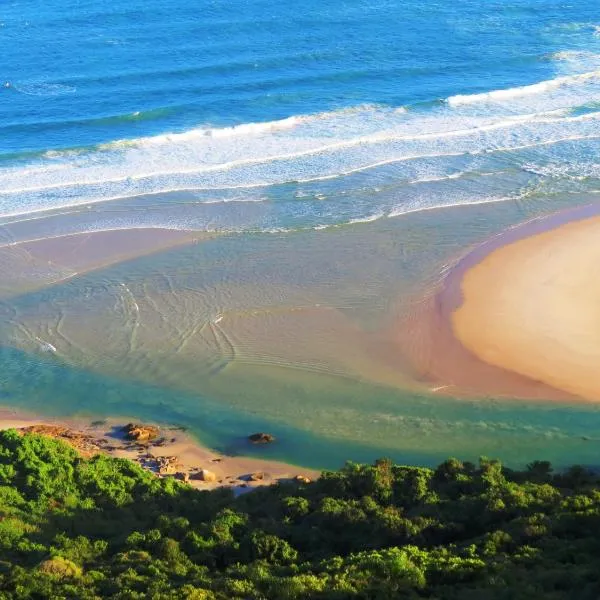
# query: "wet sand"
{"type": "Point", "coordinates": [30, 263]}
{"type": "Point", "coordinates": [520, 315]}
{"type": "Point", "coordinates": [188, 457]}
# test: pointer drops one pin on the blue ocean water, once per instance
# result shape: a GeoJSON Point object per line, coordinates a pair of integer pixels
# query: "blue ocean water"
{"type": "Point", "coordinates": [362, 104]}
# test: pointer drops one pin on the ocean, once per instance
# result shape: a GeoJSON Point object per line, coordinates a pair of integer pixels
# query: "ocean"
{"type": "Point", "coordinates": [330, 162]}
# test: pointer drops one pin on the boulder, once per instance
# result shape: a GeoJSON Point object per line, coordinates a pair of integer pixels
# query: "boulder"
{"type": "Point", "coordinates": [166, 465]}
{"type": "Point", "coordinates": [302, 479]}
{"type": "Point", "coordinates": [140, 433]}
{"type": "Point", "coordinates": [182, 476]}
{"type": "Point", "coordinates": [167, 469]}
{"type": "Point", "coordinates": [261, 438]}
{"type": "Point", "coordinates": [206, 475]}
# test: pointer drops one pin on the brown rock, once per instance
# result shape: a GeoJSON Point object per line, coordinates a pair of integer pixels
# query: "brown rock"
{"type": "Point", "coordinates": [166, 465]}
{"type": "Point", "coordinates": [182, 476]}
{"type": "Point", "coordinates": [85, 444]}
{"type": "Point", "coordinates": [302, 479]}
{"type": "Point", "coordinates": [140, 433]}
{"type": "Point", "coordinates": [206, 475]}
{"type": "Point", "coordinates": [261, 438]}
{"type": "Point", "coordinates": [166, 469]}
{"type": "Point", "coordinates": [258, 476]}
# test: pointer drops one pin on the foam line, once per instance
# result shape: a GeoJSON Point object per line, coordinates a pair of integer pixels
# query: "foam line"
{"type": "Point", "coordinates": [526, 90]}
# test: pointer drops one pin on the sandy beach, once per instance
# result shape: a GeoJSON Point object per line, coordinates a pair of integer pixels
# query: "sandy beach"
{"type": "Point", "coordinates": [527, 303]}
{"type": "Point", "coordinates": [174, 447]}
{"type": "Point", "coordinates": [532, 307]}
{"type": "Point", "coordinates": [515, 317]}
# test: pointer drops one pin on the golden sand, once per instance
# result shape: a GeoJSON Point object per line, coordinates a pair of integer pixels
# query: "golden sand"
{"type": "Point", "coordinates": [190, 455]}
{"type": "Point", "coordinates": [533, 307]}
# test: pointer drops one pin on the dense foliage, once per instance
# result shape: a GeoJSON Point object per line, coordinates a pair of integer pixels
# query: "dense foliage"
{"type": "Point", "coordinates": [104, 528]}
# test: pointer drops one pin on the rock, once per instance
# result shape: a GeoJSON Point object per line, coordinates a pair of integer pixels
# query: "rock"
{"type": "Point", "coordinates": [261, 438]}
{"type": "Point", "coordinates": [84, 443]}
{"type": "Point", "coordinates": [206, 475]}
{"type": "Point", "coordinates": [140, 433]}
{"type": "Point", "coordinates": [302, 479]}
{"type": "Point", "coordinates": [182, 476]}
{"type": "Point", "coordinates": [258, 476]}
{"type": "Point", "coordinates": [166, 465]}
{"type": "Point", "coordinates": [167, 469]}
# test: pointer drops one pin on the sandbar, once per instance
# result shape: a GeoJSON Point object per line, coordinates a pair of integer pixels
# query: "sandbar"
{"type": "Point", "coordinates": [528, 303]}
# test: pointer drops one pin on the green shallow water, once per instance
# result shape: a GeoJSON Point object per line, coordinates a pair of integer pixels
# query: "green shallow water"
{"type": "Point", "coordinates": [329, 424]}
{"type": "Point", "coordinates": [279, 332]}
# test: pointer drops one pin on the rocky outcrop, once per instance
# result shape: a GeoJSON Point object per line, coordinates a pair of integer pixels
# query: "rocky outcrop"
{"type": "Point", "coordinates": [205, 475]}
{"type": "Point", "coordinates": [302, 479]}
{"type": "Point", "coordinates": [85, 444]}
{"type": "Point", "coordinates": [140, 433]}
{"type": "Point", "coordinates": [182, 476]}
{"type": "Point", "coordinates": [261, 438]}
{"type": "Point", "coordinates": [166, 465]}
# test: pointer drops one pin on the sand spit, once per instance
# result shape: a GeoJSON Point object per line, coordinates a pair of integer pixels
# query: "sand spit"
{"type": "Point", "coordinates": [532, 306]}
{"type": "Point", "coordinates": [173, 453]}
{"type": "Point", "coordinates": [519, 316]}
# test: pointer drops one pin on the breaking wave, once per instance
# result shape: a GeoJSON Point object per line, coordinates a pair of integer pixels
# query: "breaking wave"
{"type": "Point", "coordinates": [350, 165]}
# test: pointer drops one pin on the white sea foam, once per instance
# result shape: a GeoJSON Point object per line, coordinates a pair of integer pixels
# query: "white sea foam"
{"type": "Point", "coordinates": [42, 88]}
{"type": "Point", "coordinates": [367, 219]}
{"type": "Point", "coordinates": [401, 210]}
{"type": "Point", "coordinates": [85, 177]}
{"type": "Point", "coordinates": [319, 155]}
{"type": "Point", "coordinates": [526, 90]}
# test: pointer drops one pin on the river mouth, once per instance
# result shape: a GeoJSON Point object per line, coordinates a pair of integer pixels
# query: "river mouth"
{"type": "Point", "coordinates": [305, 333]}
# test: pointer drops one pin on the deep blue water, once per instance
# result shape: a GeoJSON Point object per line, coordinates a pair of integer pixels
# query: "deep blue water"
{"type": "Point", "coordinates": [363, 82]}
{"type": "Point", "coordinates": [80, 71]}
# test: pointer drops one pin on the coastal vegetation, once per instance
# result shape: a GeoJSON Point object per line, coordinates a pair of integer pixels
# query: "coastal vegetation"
{"type": "Point", "coordinates": [101, 527]}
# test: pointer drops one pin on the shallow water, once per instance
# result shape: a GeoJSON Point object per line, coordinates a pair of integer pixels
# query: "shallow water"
{"type": "Point", "coordinates": [293, 333]}
{"type": "Point", "coordinates": [330, 164]}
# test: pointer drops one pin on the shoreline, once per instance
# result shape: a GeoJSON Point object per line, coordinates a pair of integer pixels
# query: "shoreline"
{"type": "Point", "coordinates": [531, 305]}
{"type": "Point", "coordinates": [467, 320]}
{"type": "Point", "coordinates": [184, 455]}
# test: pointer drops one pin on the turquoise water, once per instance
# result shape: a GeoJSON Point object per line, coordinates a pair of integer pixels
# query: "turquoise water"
{"type": "Point", "coordinates": [314, 143]}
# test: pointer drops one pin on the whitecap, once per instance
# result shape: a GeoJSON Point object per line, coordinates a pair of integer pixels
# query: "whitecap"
{"type": "Point", "coordinates": [44, 89]}
{"type": "Point", "coordinates": [521, 91]}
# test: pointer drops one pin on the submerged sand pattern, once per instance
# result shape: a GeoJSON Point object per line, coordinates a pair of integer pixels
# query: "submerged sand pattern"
{"type": "Point", "coordinates": [314, 332]}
